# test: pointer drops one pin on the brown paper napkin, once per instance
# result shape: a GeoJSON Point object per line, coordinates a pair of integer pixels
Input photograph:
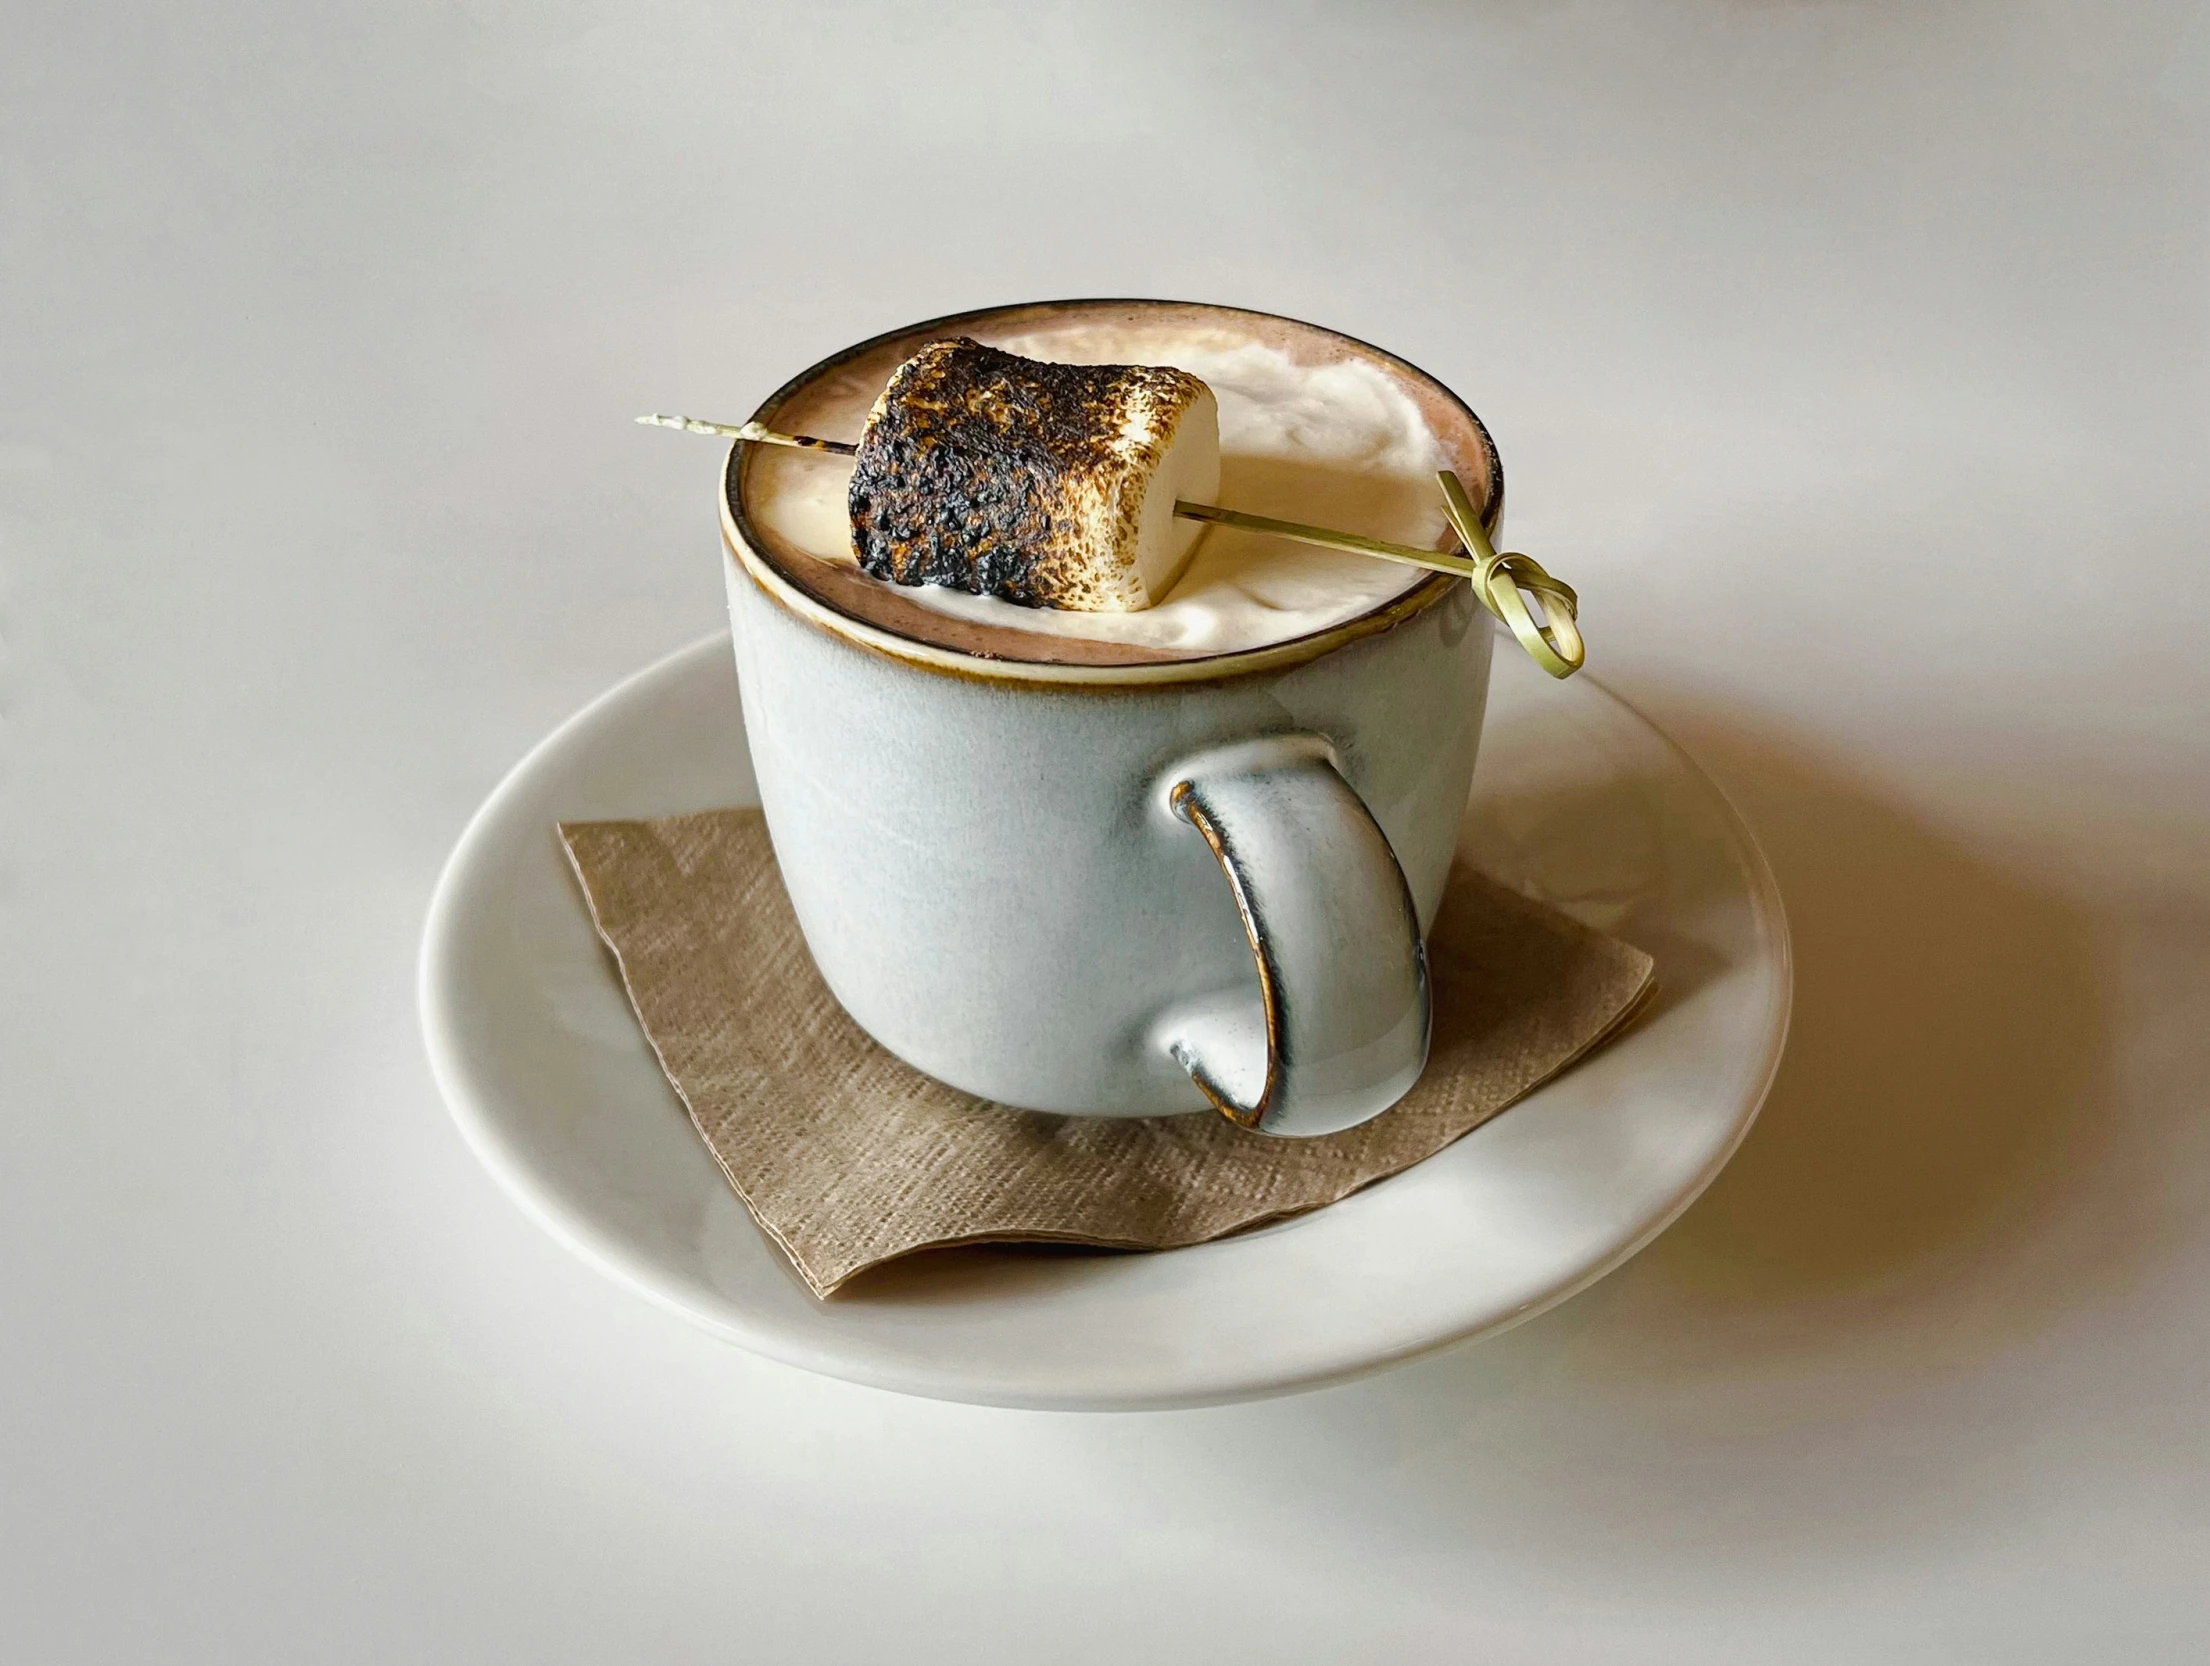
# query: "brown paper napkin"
{"type": "Point", "coordinates": [848, 1157]}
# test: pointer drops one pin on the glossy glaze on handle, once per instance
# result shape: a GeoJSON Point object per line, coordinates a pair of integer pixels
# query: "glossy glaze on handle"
{"type": "Point", "coordinates": [1340, 1029]}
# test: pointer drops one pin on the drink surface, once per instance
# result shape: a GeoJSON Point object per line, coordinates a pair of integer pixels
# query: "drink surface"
{"type": "Point", "coordinates": [1339, 442]}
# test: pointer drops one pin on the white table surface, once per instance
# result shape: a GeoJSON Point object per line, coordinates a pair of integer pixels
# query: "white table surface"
{"type": "Point", "coordinates": [1853, 360]}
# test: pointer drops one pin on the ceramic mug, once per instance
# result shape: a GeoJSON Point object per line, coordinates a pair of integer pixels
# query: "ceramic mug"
{"type": "Point", "coordinates": [1125, 889]}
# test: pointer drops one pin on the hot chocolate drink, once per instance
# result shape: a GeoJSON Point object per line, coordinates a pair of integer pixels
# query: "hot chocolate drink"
{"type": "Point", "coordinates": [1312, 427]}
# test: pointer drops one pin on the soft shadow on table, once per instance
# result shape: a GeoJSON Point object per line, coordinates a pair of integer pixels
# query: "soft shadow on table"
{"type": "Point", "coordinates": [1943, 1060]}
{"type": "Point", "coordinates": [1908, 1208]}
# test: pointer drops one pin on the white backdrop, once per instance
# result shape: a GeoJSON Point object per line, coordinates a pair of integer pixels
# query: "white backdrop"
{"type": "Point", "coordinates": [1851, 359]}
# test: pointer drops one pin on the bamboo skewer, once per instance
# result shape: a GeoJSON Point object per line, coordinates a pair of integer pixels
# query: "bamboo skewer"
{"type": "Point", "coordinates": [1327, 538]}
{"type": "Point", "coordinates": [755, 431]}
{"type": "Point", "coordinates": [1554, 641]}
{"type": "Point", "coordinates": [1503, 582]}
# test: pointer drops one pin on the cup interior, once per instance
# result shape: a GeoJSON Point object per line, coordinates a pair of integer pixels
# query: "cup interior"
{"type": "Point", "coordinates": [831, 398]}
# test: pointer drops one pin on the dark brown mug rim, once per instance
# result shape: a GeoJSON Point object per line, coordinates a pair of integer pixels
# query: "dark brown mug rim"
{"type": "Point", "coordinates": [774, 568]}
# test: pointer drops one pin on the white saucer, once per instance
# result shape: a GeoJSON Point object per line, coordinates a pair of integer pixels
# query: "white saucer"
{"type": "Point", "coordinates": [1577, 797]}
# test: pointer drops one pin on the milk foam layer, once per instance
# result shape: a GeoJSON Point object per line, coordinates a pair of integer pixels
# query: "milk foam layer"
{"type": "Point", "coordinates": [1339, 445]}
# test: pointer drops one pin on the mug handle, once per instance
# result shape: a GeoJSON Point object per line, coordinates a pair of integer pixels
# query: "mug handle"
{"type": "Point", "coordinates": [1341, 1029]}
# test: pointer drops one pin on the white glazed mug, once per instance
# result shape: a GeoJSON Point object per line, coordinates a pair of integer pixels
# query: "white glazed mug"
{"type": "Point", "coordinates": [1125, 889]}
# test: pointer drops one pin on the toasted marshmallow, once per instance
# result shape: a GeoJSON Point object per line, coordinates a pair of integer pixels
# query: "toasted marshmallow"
{"type": "Point", "coordinates": [1050, 485]}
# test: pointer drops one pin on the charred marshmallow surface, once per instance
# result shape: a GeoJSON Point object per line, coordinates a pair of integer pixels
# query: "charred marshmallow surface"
{"type": "Point", "coordinates": [1051, 485]}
